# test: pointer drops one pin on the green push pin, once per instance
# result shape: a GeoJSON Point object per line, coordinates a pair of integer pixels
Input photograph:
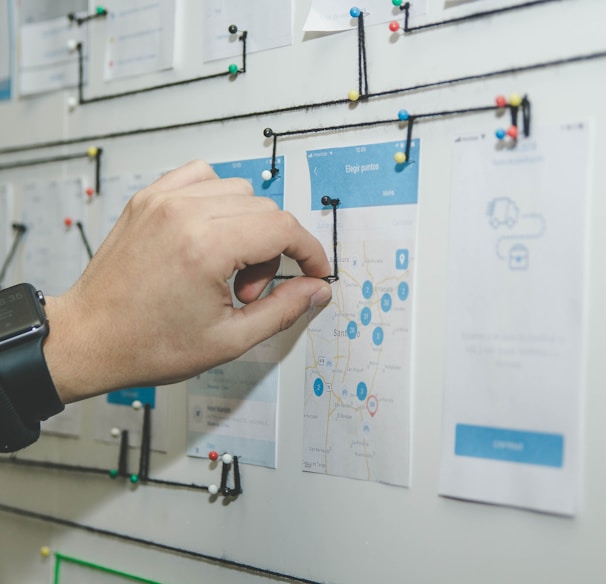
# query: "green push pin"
{"type": "Point", "coordinates": [134, 479]}
{"type": "Point", "coordinates": [396, 2]}
{"type": "Point", "coordinates": [113, 473]}
{"type": "Point", "coordinates": [233, 69]}
{"type": "Point", "coordinates": [101, 10]}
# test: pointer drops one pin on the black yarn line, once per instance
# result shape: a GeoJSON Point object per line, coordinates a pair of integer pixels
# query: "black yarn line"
{"type": "Point", "coordinates": [309, 106]}
{"type": "Point", "coordinates": [362, 66]}
{"type": "Point", "coordinates": [79, 20]}
{"type": "Point", "coordinates": [157, 545]}
{"type": "Point", "coordinates": [85, 101]}
{"type": "Point", "coordinates": [20, 230]}
{"type": "Point", "coordinates": [123, 455]}
{"type": "Point", "coordinates": [40, 161]}
{"type": "Point", "coordinates": [93, 470]}
{"type": "Point", "coordinates": [145, 444]}
{"type": "Point", "coordinates": [406, 8]}
{"type": "Point", "coordinates": [89, 251]}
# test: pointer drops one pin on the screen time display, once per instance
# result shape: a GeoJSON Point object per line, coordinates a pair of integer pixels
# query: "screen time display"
{"type": "Point", "coordinates": [18, 312]}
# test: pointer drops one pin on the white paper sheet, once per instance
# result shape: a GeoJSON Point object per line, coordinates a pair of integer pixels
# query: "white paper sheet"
{"type": "Point", "coordinates": [357, 370]}
{"type": "Point", "coordinates": [54, 254]}
{"type": "Point", "coordinates": [513, 382]}
{"type": "Point", "coordinates": [333, 15]}
{"type": "Point", "coordinates": [140, 38]}
{"type": "Point", "coordinates": [45, 63]}
{"type": "Point", "coordinates": [268, 23]}
{"type": "Point", "coordinates": [6, 230]}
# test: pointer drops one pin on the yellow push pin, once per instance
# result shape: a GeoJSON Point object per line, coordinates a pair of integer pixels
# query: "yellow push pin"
{"type": "Point", "coordinates": [353, 95]}
{"type": "Point", "coordinates": [515, 100]}
{"type": "Point", "coordinates": [45, 551]}
{"type": "Point", "coordinates": [399, 157]}
{"type": "Point", "coordinates": [92, 151]}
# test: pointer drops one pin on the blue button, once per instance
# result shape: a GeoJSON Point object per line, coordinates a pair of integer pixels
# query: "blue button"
{"type": "Point", "coordinates": [510, 445]}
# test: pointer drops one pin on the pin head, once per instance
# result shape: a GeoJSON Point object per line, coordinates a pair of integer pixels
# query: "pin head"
{"type": "Point", "coordinates": [90, 192]}
{"type": "Point", "coordinates": [267, 175]}
{"type": "Point", "coordinates": [92, 151]}
{"type": "Point", "coordinates": [353, 95]}
{"type": "Point", "coordinates": [512, 132]}
{"type": "Point", "coordinates": [45, 551]}
{"type": "Point", "coordinates": [399, 157]}
{"type": "Point", "coordinates": [233, 69]}
{"type": "Point", "coordinates": [233, 29]}
{"type": "Point", "coordinates": [396, 2]}
{"type": "Point", "coordinates": [227, 458]}
{"type": "Point", "coordinates": [403, 115]}
{"type": "Point", "coordinates": [213, 489]}
{"type": "Point", "coordinates": [394, 26]}
{"type": "Point", "coordinates": [500, 101]}
{"type": "Point", "coordinates": [137, 404]}
{"type": "Point", "coordinates": [268, 132]}
{"type": "Point", "coordinates": [213, 455]}
{"type": "Point", "coordinates": [515, 99]}
{"type": "Point", "coordinates": [67, 222]}
{"type": "Point", "coordinates": [500, 134]}
{"type": "Point", "coordinates": [354, 12]}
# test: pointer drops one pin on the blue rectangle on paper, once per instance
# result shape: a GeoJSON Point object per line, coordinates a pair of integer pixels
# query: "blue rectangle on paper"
{"type": "Point", "coordinates": [125, 397]}
{"type": "Point", "coordinates": [251, 171]}
{"type": "Point", "coordinates": [364, 176]}
{"type": "Point", "coordinates": [510, 445]}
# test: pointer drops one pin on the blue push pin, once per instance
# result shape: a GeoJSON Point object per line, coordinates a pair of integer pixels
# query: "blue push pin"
{"type": "Point", "coordinates": [354, 12]}
{"type": "Point", "coordinates": [403, 115]}
{"type": "Point", "coordinates": [500, 134]}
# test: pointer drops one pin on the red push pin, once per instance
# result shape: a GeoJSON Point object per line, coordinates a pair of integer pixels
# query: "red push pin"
{"type": "Point", "coordinates": [394, 26]}
{"type": "Point", "coordinates": [90, 191]}
{"type": "Point", "coordinates": [67, 222]}
{"type": "Point", "coordinates": [213, 455]}
{"type": "Point", "coordinates": [512, 132]}
{"type": "Point", "coordinates": [501, 101]}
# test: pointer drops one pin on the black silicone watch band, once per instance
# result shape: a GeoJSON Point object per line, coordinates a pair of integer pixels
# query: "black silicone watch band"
{"type": "Point", "coordinates": [27, 381]}
{"type": "Point", "coordinates": [14, 433]}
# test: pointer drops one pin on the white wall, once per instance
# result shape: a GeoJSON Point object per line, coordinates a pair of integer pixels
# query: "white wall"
{"type": "Point", "coordinates": [317, 527]}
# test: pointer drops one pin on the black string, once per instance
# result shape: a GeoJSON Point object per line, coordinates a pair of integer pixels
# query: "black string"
{"type": "Point", "coordinates": [309, 106]}
{"type": "Point", "coordinates": [89, 251]}
{"type": "Point", "coordinates": [406, 8]}
{"type": "Point", "coordinates": [335, 275]}
{"type": "Point", "coordinates": [63, 158]}
{"type": "Point", "coordinates": [123, 456]}
{"type": "Point", "coordinates": [145, 444]}
{"type": "Point", "coordinates": [79, 20]}
{"type": "Point", "coordinates": [84, 101]}
{"type": "Point", "coordinates": [20, 230]}
{"type": "Point", "coordinates": [237, 488]}
{"type": "Point", "coordinates": [154, 544]}
{"type": "Point", "coordinates": [362, 67]}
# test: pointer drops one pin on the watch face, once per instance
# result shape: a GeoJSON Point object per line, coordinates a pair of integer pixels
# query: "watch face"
{"type": "Point", "coordinates": [20, 311]}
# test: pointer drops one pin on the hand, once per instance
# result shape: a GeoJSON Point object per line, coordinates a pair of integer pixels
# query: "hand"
{"type": "Point", "coordinates": [154, 305]}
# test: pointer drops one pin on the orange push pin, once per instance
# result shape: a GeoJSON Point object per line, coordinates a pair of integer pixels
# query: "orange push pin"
{"type": "Point", "coordinates": [68, 222]}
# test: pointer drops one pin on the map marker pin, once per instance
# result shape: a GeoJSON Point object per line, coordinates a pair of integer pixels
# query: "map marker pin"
{"type": "Point", "coordinates": [372, 405]}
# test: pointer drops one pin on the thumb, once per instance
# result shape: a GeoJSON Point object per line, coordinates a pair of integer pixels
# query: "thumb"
{"type": "Point", "coordinates": [281, 308]}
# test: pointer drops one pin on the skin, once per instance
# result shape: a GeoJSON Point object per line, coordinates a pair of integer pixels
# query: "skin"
{"type": "Point", "coordinates": [154, 306]}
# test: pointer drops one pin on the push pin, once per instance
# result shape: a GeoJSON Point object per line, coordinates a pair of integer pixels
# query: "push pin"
{"type": "Point", "coordinates": [92, 151]}
{"type": "Point", "coordinates": [355, 12]}
{"type": "Point", "coordinates": [213, 455]}
{"type": "Point", "coordinates": [68, 222]}
{"type": "Point", "coordinates": [512, 132]}
{"type": "Point", "coordinates": [233, 69]}
{"type": "Point", "coordinates": [227, 458]}
{"type": "Point", "coordinates": [115, 432]}
{"type": "Point", "coordinates": [353, 95]}
{"type": "Point", "coordinates": [101, 11]}
{"type": "Point", "coordinates": [213, 489]}
{"type": "Point", "coordinates": [89, 192]}
{"type": "Point", "coordinates": [72, 103]}
{"type": "Point", "coordinates": [233, 29]}
{"type": "Point", "coordinates": [137, 404]}
{"type": "Point", "coordinates": [396, 3]}
{"type": "Point", "coordinates": [394, 26]}
{"type": "Point", "coordinates": [45, 551]}
{"type": "Point", "coordinates": [515, 100]}
{"type": "Point", "coordinates": [268, 132]}
{"type": "Point", "coordinates": [500, 134]}
{"type": "Point", "coordinates": [500, 101]}
{"type": "Point", "coordinates": [403, 115]}
{"type": "Point", "coordinates": [400, 157]}
{"type": "Point", "coordinates": [134, 479]}
{"type": "Point", "coordinates": [72, 45]}
{"type": "Point", "coordinates": [267, 175]}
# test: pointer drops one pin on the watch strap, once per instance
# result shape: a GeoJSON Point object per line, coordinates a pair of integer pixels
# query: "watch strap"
{"type": "Point", "coordinates": [14, 432]}
{"type": "Point", "coordinates": [27, 382]}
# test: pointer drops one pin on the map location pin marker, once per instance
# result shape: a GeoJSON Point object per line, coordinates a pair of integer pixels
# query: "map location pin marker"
{"type": "Point", "coordinates": [372, 405]}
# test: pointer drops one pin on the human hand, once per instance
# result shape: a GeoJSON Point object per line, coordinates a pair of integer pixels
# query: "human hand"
{"type": "Point", "coordinates": [154, 304]}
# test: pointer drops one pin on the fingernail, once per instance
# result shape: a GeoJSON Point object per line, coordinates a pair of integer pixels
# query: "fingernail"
{"type": "Point", "coordinates": [322, 296]}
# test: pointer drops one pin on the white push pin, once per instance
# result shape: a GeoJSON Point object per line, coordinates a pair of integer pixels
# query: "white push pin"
{"type": "Point", "coordinates": [266, 175]}
{"type": "Point", "coordinates": [116, 432]}
{"type": "Point", "coordinates": [137, 404]}
{"type": "Point", "coordinates": [213, 489]}
{"type": "Point", "coordinates": [72, 45]}
{"type": "Point", "coordinates": [72, 103]}
{"type": "Point", "coordinates": [227, 458]}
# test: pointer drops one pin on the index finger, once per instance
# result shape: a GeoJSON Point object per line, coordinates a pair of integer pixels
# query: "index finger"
{"type": "Point", "coordinates": [271, 234]}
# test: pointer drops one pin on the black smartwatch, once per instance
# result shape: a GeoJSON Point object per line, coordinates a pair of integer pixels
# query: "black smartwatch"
{"type": "Point", "coordinates": [24, 376]}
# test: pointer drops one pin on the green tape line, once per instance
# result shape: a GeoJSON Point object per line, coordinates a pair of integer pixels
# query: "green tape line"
{"type": "Point", "coordinates": [62, 558]}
